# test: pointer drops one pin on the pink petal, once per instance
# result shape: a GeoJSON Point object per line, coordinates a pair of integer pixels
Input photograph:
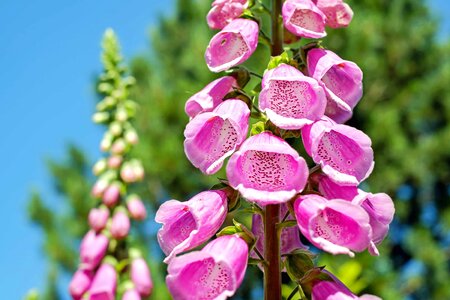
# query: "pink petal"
{"type": "Point", "coordinates": [303, 18]}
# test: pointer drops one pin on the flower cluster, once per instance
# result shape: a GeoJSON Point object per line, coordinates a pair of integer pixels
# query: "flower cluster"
{"type": "Point", "coordinates": [102, 273]}
{"type": "Point", "coordinates": [306, 91]}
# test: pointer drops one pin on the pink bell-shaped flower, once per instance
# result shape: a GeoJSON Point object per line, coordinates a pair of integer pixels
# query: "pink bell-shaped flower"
{"type": "Point", "coordinates": [331, 190]}
{"type": "Point", "coordinates": [338, 13]}
{"type": "Point", "coordinates": [98, 217]}
{"type": "Point", "coordinates": [233, 45]}
{"type": "Point", "coordinates": [189, 224]}
{"type": "Point", "coordinates": [92, 249]}
{"type": "Point", "coordinates": [267, 170]}
{"type": "Point", "coordinates": [136, 208]}
{"type": "Point", "coordinates": [131, 294]}
{"type": "Point", "coordinates": [341, 79]}
{"type": "Point", "coordinates": [290, 98]}
{"type": "Point", "coordinates": [120, 225]}
{"type": "Point", "coordinates": [225, 11]}
{"type": "Point", "coordinates": [335, 226]}
{"type": "Point", "coordinates": [111, 195]}
{"type": "Point", "coordinates": [210, 96]}
{"type": "Point", "coordinates": [304, 19]}
{"type": "Point", "coordinates": [215, 272]}
{"type": "Point", "coordinates": [141, 277]}
{"type": "Point", "coordinates": [213, 136]}
{"type": "Point", "coordinates": [289, 238]}
{"type": "Point", "coordinates": [104, 284]}
{"type": "Point", "coordinates": [335, 290]}
{"type": "Point", "coordinates": [80, 283]}
{"type": "Point", "coordinates": [344, 153]}
{"type": "Point", "coordinates": [380, 208]}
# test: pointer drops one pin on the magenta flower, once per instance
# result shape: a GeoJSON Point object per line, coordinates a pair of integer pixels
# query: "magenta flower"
{"type": "Point", "coordinates": [233, 45]}
{"type": "Point", "coordinates": [344, 153]}
{"type": "Point", "coordinates": [131, 294]}
{"type": "Point", "coordinates": [290, 98]}
{"type": "Point", "coordinates": [267, 170]}
{"type": "Point", "coordinates": [120, 225]}
{"type": "Point", "coordinates": [225, 11]}
{"type": "Point", "coordinates": [136, 208]}
{"type": "Point", "coordinates": [92, 249]}
{"type": "Point", "coordinates": [338, 13]}
{"type": "Point", "coordinates": [213, 136]}
{"type": "Point", "coordinates": [210, 96]}
{"type": "Point", "coordinates": [98, 217]}
{"type": "Point", "coordinates": [104, 284]}
{"type": "Point", "coordinates": [332, 190]}
{"type": "Point", "coordinates": [303, 18]}
{"type": "Point", "coordinates": [80, 283]}
{"type": "Point", "coordinates": [341, 79]}
{"type": "Point", "coordinates": [187, 225]}
{"type": "Point", "coordinates": [335, 290]}
{"type": "Point", "coordinates": [380, 208]}
{"type": "Point", "coordinates": [336, 226]}
{"type": "Point", "coordinates": [289, 239]}
{"type": "Point", "coordinates": [141, 277]}
{"type": "Point", "coordinates": [215, 272]}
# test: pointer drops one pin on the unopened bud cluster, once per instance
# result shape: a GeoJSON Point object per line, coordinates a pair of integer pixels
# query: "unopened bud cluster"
{"type": "Point", "coordinates": [109, 267]}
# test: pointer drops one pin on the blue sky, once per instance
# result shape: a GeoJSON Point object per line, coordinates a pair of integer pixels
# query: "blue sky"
{"type": "Point", "coordinates": [49, 54]}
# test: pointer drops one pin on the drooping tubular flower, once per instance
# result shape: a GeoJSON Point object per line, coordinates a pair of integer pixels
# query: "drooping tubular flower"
{"type": "Point", "coordinates": [98, 217]}
{"type": "Point", "coordinates": [332, 190]}
{"type": "Point", "coordinates": [380, 208]}
{"type": "Point", "coordinates": [93, 248]}
{"type": "Point", "coordinates": [267, 170]}
{"type": "Point", "coordinates": [344, 153]}
{"type": "Point", "coordinates": [338, 14]}
{"type": "Point", "coordinates": [289, 238]}
{"type": "Point", "coordinates": [225, 11]}
{"type": "Point", "coordinates": [141, 277]}
{"type": "Point", "coordinates": [187, 225]}
{"type": "Point", "coordinates": [335, 290]}
{"type": "Point", "coordinates": [215, 272]}
{"type": "Point", "coordinates": [336, 226]}
{"type": "Point", "coordinates": [210, 96]}
{"type": "Point", "coordinates": [104, 284]}
{"type": "Point", "coordinates": [233, 45]}
{"type": "Point", "coordinates": [290, 98]}
{"type": "Point", "coordinates": [80, 283]}
{"type": "Point", "coordinates": [213, 136]}
{"type": "Point", "coordinates": [303, 18]}
{"type": "Point", "coordinates": [341, 79]}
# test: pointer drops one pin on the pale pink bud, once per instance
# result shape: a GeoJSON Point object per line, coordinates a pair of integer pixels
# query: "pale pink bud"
{"type": "Point", "coordinates": [80, 283]}
{"type": "Point", "coordinates": [99, 187]}
{"type": "Point", "coordinates": [127, 173]}
{"type": "Point", "coordinates": [131, 137]}
{"type": "Point", "coordinates": [119, 146]}
{"type": "Point", "coordinates": [131, 294]}
{"type": "Point", "coordinates": [104, 284]}
{"type": "Point", "coordinates": [92, 249]}
{"type": "Point", "coordinates": [115, 161]}
{"type": "Point", "coordinates": [111, 195]}
{"type": "Point", "coordinates": [120, 225]}
{"type": "Point", "coordinates": [99, 167]}
{"type": "Point", "coordinates": [136, 208]}
{"type": "Point", "coordinates": [98, 217]}
{"type": "Point", "coordinates": [141, 277]}
{"type": "Point", "coordinates": [223, 12]}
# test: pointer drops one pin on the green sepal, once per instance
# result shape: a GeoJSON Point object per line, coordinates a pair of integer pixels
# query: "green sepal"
{"type": "Point", "coordinates": [298, 264]}
{"type": "Point", "coordinates": [275, 61]}
{"type": "Point", "coordinates": [257, 128]}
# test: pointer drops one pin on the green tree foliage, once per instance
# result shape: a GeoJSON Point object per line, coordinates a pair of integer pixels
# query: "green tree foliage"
{"type": "Point", "coordinates": [405, 110]}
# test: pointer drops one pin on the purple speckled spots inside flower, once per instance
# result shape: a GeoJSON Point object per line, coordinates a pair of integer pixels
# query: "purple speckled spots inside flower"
{"type": "Point", "coordinates": [290, 99]}
{"type": "Point", "coordinates": [267, 170]}
{"type": "Point", "coordinates": [334, 226]}
{"type": "Point", "coordinates": [308, 19]}
{"type": "Point", "coordinates": [180, 230]}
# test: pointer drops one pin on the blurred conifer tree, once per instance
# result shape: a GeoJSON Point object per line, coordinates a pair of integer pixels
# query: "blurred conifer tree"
{"type": "Point", "coordinates": [405, 110]}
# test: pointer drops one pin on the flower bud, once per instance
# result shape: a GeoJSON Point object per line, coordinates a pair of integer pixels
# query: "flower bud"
{"type": "Point", "coordinates": [119, 146]}
{"type": "Point", "coordinates": [127, 173]}
{"type": "Point", "coordinates": [115, 128]}
{"type": "Point", "coordinates": [131, 137]}
{"type": "Point", "coordinates": [106, 142]}
{"type": "Point", "coordinates": [99, 188]}
{"type": "Point", "coordinates": [92, 249]}
{"type": "Point", "coordinates": [99, 167]}
{"type": "Point", "coordinates": [100, 117]}
{"type": "Point", "coordinates": [141, 277]}
{"type": "Point", "coordinates": [104, 284]}
{"type": "Point", "coordinates": [120, 225]}
{"type": "Point", "coordinates": [223, 12]}
{"type": "Point", "coordinates": [121, 114]}
{"type": "Point", "coordinates": [131, 294]}
{"type": "Point", "coordinates": [115, 161]}
{"type": "Point", "coordinates": [98, 217]}
{"type": "Point", "coordinates": [80, 283]}
{"type": "Point", "coordinates": [136, 208]}
{"type": "Point", "coordinates": [111, 195]}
